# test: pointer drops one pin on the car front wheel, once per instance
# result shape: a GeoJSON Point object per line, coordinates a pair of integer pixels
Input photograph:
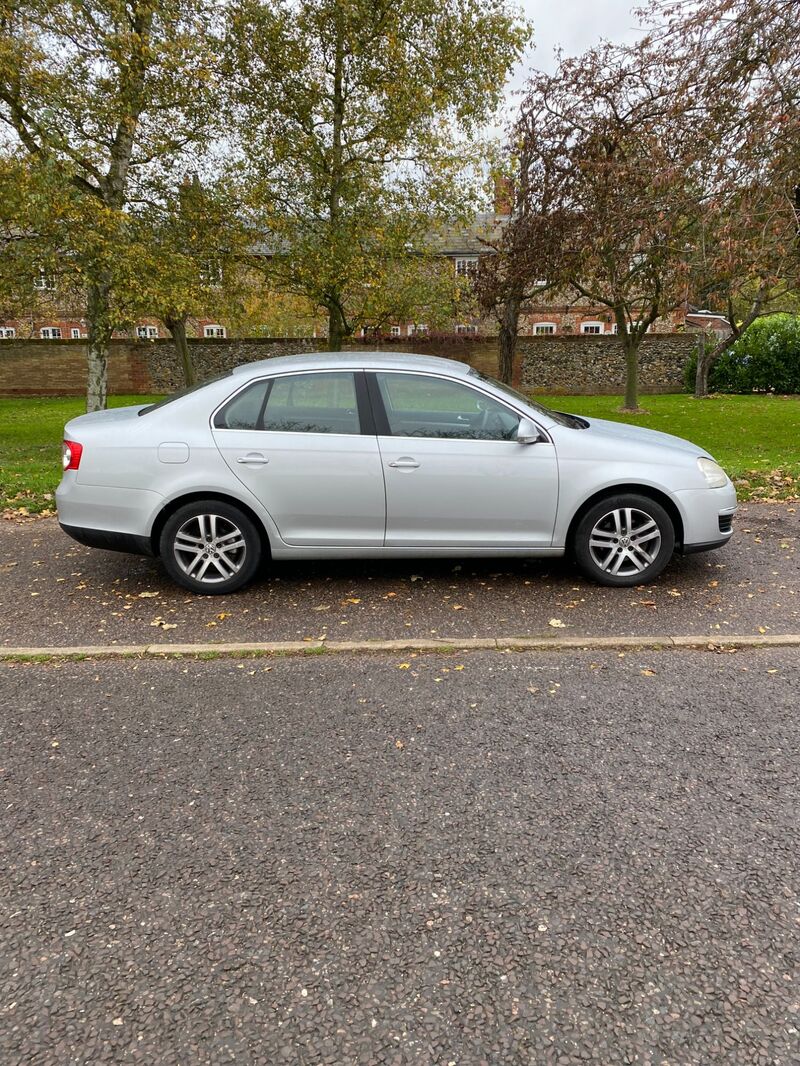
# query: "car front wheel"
{"type": "Point", "coordinates": [624, 540]}
{"type": "Point", "coordinates": [210, 547]}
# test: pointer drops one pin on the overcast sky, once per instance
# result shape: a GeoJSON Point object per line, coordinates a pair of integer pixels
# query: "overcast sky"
{"type": "Point", "coordinates": [575, 25]}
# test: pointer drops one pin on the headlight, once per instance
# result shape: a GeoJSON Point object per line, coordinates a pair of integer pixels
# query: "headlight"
{"type": "Point", "coordinates": [713, 473]}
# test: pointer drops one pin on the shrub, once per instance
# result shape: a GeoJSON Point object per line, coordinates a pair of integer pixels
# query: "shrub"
{"type": "Point", "coordinates": [766, 358]}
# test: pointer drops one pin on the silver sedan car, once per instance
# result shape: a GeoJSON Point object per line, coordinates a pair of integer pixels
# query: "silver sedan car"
{"type": "Point", "coordinates": [375, 456]}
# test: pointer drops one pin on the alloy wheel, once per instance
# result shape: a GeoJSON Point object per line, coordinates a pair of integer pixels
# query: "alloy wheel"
{"type": "Point", "coordinates": [209, 548]}
{"type": "Point", "coordinates": [625, 541]}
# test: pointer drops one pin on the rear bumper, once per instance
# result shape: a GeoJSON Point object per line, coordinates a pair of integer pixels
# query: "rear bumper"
{"type": "Point", "coordinates": [109, 540]}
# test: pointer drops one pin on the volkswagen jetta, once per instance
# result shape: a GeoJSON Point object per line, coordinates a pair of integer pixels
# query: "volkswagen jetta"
{"type": "Point", "coordinates": [373, 455]}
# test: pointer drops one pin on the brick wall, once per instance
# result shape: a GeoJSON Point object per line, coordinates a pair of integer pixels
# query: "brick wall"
{"type": "Point", "coordinates": [58, 368]}
{"type": "Point", "coordinates": [579, 364]}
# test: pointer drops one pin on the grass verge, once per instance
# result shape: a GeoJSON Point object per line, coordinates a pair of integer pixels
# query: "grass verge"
{"type": "Point", "coordinates": [756, 438]}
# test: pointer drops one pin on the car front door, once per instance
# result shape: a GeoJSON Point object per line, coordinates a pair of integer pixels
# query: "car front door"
{"type": "Point", "coordinates": [456, 476]}
{"type": "Point", "coordinates": [304, 444]}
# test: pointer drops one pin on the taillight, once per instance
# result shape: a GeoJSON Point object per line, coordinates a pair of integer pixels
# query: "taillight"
{"type": "Point", "coordinates": [71, 458]}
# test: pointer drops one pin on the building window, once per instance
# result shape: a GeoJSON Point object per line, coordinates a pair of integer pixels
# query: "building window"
{"type": "Point", "coordinates": [394, 331]}
{"type": "Point", "coordinates": [146, 332]}
{"type": "Point", "coordinates": [417, 327]}
{"type": "Point", "coordinates": [467, 266]}
{"type": "Point", "coordinates": [213, 331]}
{"type": "Point", "coordinates": [75, 333]}
{"type": "Point", "coordinates": [50, 333]}
{"type": "Point", "coordinates": [7, 333]}
{"type": "Point", "coordinates": [44, 282]}
{"type": "Point", "coordinates": [591, 327]}
{"type": "Point", "coordinates": [211, 272]}
{"type": "Point", "coordinates": [466, 329]}
{"type": "Point", "coordinates": [544, 328]}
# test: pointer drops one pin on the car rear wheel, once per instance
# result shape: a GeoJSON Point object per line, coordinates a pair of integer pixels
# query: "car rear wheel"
{"type": "Point", "coordinates": [624, 540]}
{"type": "Point", "coordinates": [210, 547]}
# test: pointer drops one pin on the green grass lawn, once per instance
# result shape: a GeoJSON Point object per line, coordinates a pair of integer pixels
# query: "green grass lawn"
{"type": "Point", "coordinates": [756, 438]}
{"type": "Point", "coordinates": [31, 431]}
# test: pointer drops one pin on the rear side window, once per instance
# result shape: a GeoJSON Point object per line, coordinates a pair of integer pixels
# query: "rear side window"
{"type": "Point", "coordinates": [244, 410]}
{"type": "Point", "coordinates": [296, 403]}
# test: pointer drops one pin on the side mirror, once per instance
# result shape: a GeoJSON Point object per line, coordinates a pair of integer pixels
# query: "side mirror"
{"type": "Point", "coordinates": [528, 432]}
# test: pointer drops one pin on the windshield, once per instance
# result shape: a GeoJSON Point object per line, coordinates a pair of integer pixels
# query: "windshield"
{"type": "Point", "coordinates": [571, 421]}
{"type": "Point", "coordinates": [186, 391]}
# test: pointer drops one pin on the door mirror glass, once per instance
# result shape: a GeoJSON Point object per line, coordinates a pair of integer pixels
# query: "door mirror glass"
{"type": "Point", "coordinates": [528, 432]}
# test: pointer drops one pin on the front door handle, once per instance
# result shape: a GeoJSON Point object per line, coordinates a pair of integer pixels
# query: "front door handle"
{"type": "Point", "coordinates": [406, 463]}
{"type": "Point", "coordinates": [253, 459]}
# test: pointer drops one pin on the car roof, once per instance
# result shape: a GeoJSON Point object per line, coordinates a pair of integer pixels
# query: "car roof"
{"type": "Point", "coordinates": [355, 361]}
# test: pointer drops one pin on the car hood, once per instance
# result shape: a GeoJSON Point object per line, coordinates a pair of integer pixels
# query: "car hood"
{"type": "Point", "coordinates": [620, 431]}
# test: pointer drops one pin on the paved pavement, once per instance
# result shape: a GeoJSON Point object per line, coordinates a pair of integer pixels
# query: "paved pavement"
{"type": "Point", "coordinates": [56, 592]}
{"type": "Point", "coordinates": [496, 859]}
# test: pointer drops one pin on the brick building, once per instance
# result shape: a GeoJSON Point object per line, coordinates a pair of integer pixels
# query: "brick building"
{"type": "Point", "coordinates": [58, 316]}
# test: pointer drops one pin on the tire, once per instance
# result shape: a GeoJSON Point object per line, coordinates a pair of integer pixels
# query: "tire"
{"type": "Point", "coordinates": [190, 537]}
{"type": "Point", "coordinates": [606, 550]}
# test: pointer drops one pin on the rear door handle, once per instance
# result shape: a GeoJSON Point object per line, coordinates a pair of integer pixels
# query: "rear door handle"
{"type": "Point", "coordinates": [405, 464]}
{"type": "Point", "coordinates": [253, 459]}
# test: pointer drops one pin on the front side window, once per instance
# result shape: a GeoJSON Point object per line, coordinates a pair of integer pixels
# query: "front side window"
{"type": "Point", "coordinates": [592, 327]}
{"type": "Point", "coordinates": [467, 266]}
{"type": "Point", "coordinates": [542, 329]}
{"type": "Point", "coordinates": [418, 405]}
{"type": "Point", "coordinates": [214, 331]}
{"type": "Point", "coordinates": [7, 333]}
{"type": "Point", "coordinates": [50, 333]}
{"type": "Point", "coordinates": [296, 403]}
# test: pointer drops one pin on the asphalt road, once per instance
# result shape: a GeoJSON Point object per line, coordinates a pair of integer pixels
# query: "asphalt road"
{"type": "Point", "coordinates": [56, 592]}
{"type": "Point", "coordinates": [497, 859]}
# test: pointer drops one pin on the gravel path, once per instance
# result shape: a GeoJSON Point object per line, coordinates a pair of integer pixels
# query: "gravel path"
{"type": "Point", "coordinates": [56, 592]}
{"type": "Point", "coordinates": [494, 859]}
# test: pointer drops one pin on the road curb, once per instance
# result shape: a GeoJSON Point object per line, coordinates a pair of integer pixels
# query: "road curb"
{"type": "Point", "coordinates": [409, 645]}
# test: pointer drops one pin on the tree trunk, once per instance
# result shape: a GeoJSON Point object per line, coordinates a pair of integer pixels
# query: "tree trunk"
{"type": "Point", "coordinates": [337, 329]}
{"type": "Point", "coordinates": [704, 358]}
{"type": "Point", "coordinates": [509, 324]}
{"type": "Point", "coordinates": [97, 313]}
{"type": "Point", "coordinates": [632, 343]}
{"type": "Point", "coordinates": [177, 327]}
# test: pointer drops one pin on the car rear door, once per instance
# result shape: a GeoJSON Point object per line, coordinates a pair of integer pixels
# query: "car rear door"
{"type": "Point", "coordinates": [305, 445]}
{"type": "Point", "coordinates": [456, 476]}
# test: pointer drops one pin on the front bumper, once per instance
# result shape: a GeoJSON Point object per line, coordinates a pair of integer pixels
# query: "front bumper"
{"type": "Point", "coordinates": [706, 515]}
